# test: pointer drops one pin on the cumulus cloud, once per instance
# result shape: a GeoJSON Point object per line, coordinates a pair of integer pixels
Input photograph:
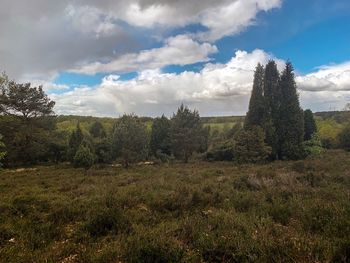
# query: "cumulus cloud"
{"type": "Point", "coordinates": [216, 89]}
{"type": "Point", "coordinates": [179, 50]}
{"type": "Point", "coordinates": [327, 78]}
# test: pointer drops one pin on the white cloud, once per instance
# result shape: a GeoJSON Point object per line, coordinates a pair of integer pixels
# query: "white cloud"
{"type": "Point", "coordinates": [179, 50]}
{"type": "Point", "coordinates": [233, 17]}
{"type": "Point", "coordinates": [217, 89]}
{"type": "Point", "coordinates": [327, 78]}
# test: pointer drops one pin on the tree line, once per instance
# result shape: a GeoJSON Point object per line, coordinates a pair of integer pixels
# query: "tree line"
{"type": "Point", "coordinates": [275, 128]}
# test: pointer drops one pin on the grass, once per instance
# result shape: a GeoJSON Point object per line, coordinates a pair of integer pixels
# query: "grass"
{"type": "Point", "coordinates": [197, 212]}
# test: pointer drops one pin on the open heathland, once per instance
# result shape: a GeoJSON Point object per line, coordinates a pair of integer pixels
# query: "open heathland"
{"type": "Point", "coordinates": [285, 211]}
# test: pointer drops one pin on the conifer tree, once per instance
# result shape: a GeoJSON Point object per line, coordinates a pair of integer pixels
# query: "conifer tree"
{"type": "Point", "coordinates": [75, 140]}
{"type": "Point", "coordinates": [310, 127]}
{"type": "Point", "coordinates": [130, 139]}
{"type": "Point", "coordinates": [290, 128]}
{"type": "Point", "coordinates": [186, 133]}
{"type": "Point", "coordinates": [160, 136]}
{"type": "Point", "coordinates": [272, 95]}
{"type": "Point", "coordinates": [97, 130]}
{"type": "Point", "coordinates": [256, 112]}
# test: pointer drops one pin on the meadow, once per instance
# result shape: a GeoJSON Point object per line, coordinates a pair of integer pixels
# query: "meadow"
{"type": "Point", "coordinates": [290, 211]}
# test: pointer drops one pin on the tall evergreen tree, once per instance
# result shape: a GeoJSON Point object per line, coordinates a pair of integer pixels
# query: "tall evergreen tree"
{"type": "Point", "coordinates": [291, 120]}
{"type": "Point", "coordinates": [310, 127]}
{"type": "Point", "coordinates": [272, 95]}
{"type": "Point", "coordinates": [256, 112]}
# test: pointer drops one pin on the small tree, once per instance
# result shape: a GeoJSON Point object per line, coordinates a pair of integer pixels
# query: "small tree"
{"type": "Point", "coordinates": [344, 138]}
{"type": "Point", "coordinates": [160, 136]}
{"type": "Point", "coordinates": [83, 158]}
{"type": "Point", "coordinates": [130, 139]}
{"type": "Point", "coordinates": [250, 146]}
{"type": "Point", "coordinates": [310, 127]}
{"type": "Point", "coordinates": [2, 152]}
{"type": "Point", "coordinates": [313, 146]}
{"type": "Point", "coordinates": [186, 133]}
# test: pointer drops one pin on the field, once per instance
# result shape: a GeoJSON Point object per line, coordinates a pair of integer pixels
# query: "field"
{"type": "Point", "coordinates": [197, 212]}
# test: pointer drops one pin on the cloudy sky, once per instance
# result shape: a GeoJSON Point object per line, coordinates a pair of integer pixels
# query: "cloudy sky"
{"type": "Point", "coordinates": [109, 57]}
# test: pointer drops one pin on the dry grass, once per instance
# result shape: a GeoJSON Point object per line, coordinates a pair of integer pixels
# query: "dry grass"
{"type": "Point", "coordinates": [197, 212]}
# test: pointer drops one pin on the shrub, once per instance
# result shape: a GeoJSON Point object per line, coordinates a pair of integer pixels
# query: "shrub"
{"type": "Point", "coordinates": [106, 220]}
{"type": "Point", "coordinates": [250, 146]}
{"type": "Point", "coordinates": [221, 152]}
{"type": "Point", "coordinates": [83, 157]}
{"type": "Point", "coordinates": [313, 146]}
{"type": "Point", "coordinates": [344, 138]}
{"type": "Point", "coordinates": [2, 153]}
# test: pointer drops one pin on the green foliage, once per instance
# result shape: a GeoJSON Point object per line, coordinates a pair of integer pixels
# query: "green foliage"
{"type": "Point", "coordinates": [272, 95]}
{"type": "Point", "coordinates": [130, 139]}
{"type": "Point", "coordinates": [103, 150]}
{"type": "Point", "coordinates": [187, 133]}
{"type": "Point", "coordinates": [75, 140]}
{"type": "Point", "coordinates": [26, 121]}
{"type": "Point", "coordinates": [2, 152]}
{"type": "Point", "coordinates": [250, 146]}
{"type": "Point", "coordinates": [344, 138]}
{"type": "Point", "coordinates": [314, 145]}
{"type": "Point", "coordinates": [160, 136]}
{"type": "Point", "coordinates": [83, 157]}
{"type": "Point", "coordinates": [290, 124]}
{"type": "Point", "coordinates": [257, 106]}
{"type": "Point", "coordinates": [97, 130]}
{"type": "Point", "coordinates": [106, 220]}
{"type": "Point", "coordinates": [310, 127]}
{"type": "Point", "coordinates": [222, 151]}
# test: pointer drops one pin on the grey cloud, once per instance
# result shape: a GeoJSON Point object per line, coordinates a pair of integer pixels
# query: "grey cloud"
{"type": "Point", "coordinates": [41, 37]}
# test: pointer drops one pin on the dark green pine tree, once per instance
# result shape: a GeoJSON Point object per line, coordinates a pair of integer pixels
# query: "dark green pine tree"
{"type": "Point", "coordinates": [291, 118]}
{"type": "Point", "coordinates": [310, 127]}
{"type": "Point", "coordinates": [272, 95]}
{"type": "Point", "coordinates": [256, 112]}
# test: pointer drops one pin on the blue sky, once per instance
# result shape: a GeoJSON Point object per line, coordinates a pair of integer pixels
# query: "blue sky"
{"type": "Point", "coordinates": [110, 57]}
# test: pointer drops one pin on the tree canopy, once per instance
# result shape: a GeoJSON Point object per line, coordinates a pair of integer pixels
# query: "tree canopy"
{"type": "Point", "coordinates": [130, 139]}
{"type": "Point", "coordinates": [186, 133]}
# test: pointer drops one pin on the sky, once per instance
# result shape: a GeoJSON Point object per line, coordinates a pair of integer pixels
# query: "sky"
{"type": "Point", "coordinates": [110, 57]}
